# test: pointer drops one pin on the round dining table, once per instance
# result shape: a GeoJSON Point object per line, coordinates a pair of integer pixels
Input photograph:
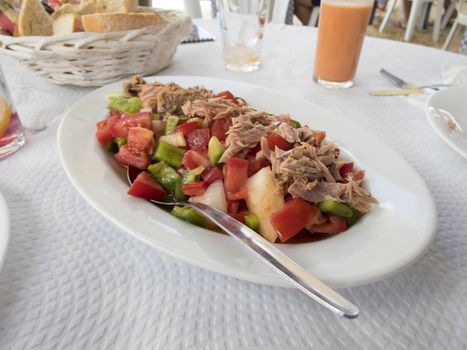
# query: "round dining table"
{"type": "Point", "coordinates": [73, 280]}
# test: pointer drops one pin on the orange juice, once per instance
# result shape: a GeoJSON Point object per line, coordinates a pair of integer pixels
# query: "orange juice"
{"type": "Point", "coordinates": [342, 27]}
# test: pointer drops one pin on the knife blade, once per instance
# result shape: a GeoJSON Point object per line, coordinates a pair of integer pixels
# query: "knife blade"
{"type": "Point", "coordinates": [395, 80]}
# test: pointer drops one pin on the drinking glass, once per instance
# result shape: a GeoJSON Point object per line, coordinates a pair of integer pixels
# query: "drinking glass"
{"type": "Point", "coordinates": [241, 27]}
{"type": "Point", "coordinates": [342, 27]}
{"type": "Point", "coordinates": [12, 135]}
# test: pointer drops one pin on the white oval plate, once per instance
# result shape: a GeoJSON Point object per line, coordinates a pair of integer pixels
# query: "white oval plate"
{"type": "Point", "coordinates": [383, 242]}
{"type": "Point", "coordinates": [4, 230]}
{"type": "Point", "coordinates": [447, 113]}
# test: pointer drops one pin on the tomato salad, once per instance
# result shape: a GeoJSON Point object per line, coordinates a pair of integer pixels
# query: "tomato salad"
{"type": "Point", "coordinates": [267, 171]}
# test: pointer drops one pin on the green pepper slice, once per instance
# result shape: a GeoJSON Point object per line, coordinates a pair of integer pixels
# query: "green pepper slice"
{"type": "Point", "coordinates": [353, 218]}
{"type": "Point", "coordinates": [165, 175]}
{"type": "Point", "coordinates": [193, 175]}
{"type": "Point", "coordinates": [252, 222]}
{"type": "Point", "coordinates": [335, 208]}
{"type": "Point", "coordinates": [114, 145]}
{"type": "Point", "coordinates": [190, 215]}
{"type": "Point", "coordinates": [171, 125]}
{"type": "Point", "coordinates": [169, 153]}
{"type": "Point", "coordinates": [215, 150]}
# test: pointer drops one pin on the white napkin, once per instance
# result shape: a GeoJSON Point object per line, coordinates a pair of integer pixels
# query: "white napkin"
{"type": "Point", "coordinates": [452, 74]}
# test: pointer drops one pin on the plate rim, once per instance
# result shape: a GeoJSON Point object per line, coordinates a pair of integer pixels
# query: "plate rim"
{"type": "Point", "coordinates": [428, 105]}
{"type": "Point", "coordinates": [234, 272]}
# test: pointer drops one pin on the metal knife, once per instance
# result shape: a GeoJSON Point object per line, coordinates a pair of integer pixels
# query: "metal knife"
{"type": "Point", "coordinates": [406, 88]}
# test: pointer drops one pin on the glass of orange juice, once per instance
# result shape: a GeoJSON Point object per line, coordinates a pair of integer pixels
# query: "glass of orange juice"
{"type": "Point", "coordinates": [342, 27]}
{"type": "Point", "coordinates": [241, 28]}
{"type": "Point", "coordinates": [12, 135]}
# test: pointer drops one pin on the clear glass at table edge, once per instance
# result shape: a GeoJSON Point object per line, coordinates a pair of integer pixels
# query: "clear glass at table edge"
{"type": "Point", "coordinates": [341, 30]}
{"type": "Point", "coordinates": [12, 134]}
{"type": "Point", "coordinates": [241, 32]}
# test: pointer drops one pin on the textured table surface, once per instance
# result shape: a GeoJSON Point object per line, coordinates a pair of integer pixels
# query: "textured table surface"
{"type": "Point", "coordinates": [72, 280]}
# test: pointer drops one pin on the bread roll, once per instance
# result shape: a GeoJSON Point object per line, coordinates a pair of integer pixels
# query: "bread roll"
{"type": "Point", "coordinates": [85, 8]}
{"type": "Point", "coordinates": [33, 19]}
{"type": "Point", "coordinates": [69, 23]}
{"type": "Point", "coordinates": [121, 6]}
{"type": "Point", "coordinates": [115, 22]}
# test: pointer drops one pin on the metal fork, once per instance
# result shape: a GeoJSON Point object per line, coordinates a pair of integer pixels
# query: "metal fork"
{"type": "Point", "coordinates": [269, 254]}
{"type": "Point", "coordinates": [406, 85]}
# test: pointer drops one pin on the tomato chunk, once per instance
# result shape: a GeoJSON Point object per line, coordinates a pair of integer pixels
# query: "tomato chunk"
{"type": "Point", "coordinates": [140, 138]}
{"type": "Point", "coordinates": [193, 159]}
{"type": "Point", "coordinates": [359, 175]}
{"type": "Point", "coordinates": [104, 129]}
{"type": "Point", "coordinates": [122, 126]}
{"type": "Point", "coordinates": [145, 187]}
{"type": "Point", "coordinates": [236, 175]}
{"type": "Point", "coordinates": [345, 169]}
{"type": "Point", "coordinates": [220, 127]}
{"type": "Point", "coordinates": [6, 23]}
{"type": "Point", "coordinates": [187, 128]}
{"type": "Point", "coordinates": [196, 188]}
{"type": "Point", "coordinates": [232, 206]}
{"type": "Point", "coordinates": [319, 137]}
{"type": "Point", "coordinates": [278, 141]}
{"type": "Point", "coordinates": [228, 96]}
{"type": "Point", "coordinates": [336, 224]}
{"type": "Point", "coordinates": [54, 4]}
{"type": "Point", "coordinates": [198, 139]}
{"type": "Point", "coordinates": [132, 156]}
{"type": "Point", "coordinates": [238, 217]}
{"type": "Point", "coordinates": [211, 175]}
{"type": "Point", "coordinates": [292, 218]}
{"type": "Point", "coordinates": [255, 165]}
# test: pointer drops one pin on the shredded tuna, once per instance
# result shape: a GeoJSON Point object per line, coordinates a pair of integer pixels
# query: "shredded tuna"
{"type": "Point", "coordinates": [172, 97]}
{"type": "Point", "coordinates": [306, 134]}
{"type": "Point", "coordinates": [357, 197]}
{"type": "Point", "coordinates": [317, 191]}
{"type": "Point", "coordinates": [246, 131]}
{"type": "Point", "coordinates": [328, 153]}
{"type": "Point", "coordinates": [294, 135]}
{"type": "Point", "coordinates": [334, 170]}
{"type": "Point", "coordinates": [289, 133]}
{"type": "Point", "coordinates": [134, 85]}
{"type": "Point", "coordinates": [213, 108]}
{"type": "Point", "coordinates": [264, 152]}
{"type": "Point", "coordinates": [148, 95]}
{"type": "Point", "coordinates": [300, 162]}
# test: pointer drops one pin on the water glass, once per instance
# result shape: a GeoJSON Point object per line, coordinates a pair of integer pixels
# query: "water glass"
{"type": "Point", "coordinates": [241, 27]}
{"type": "Point", "coordinates": [12, 135]}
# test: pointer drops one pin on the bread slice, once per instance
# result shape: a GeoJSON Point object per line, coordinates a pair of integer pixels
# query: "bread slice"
{"type": "Point", "coordinates": [84, 8]}
{"type": "Point", "coordinates": [33, 19]}
{"type": "Point", "coordinates": [69, 23]}
{"type": "Point", "coordinates": [120, 6]}
{"type": "Point", "coordinates": [115, 22]}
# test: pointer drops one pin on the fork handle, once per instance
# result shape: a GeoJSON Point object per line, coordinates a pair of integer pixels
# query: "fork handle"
{"type": "Point", "coordinates": [276, 259]}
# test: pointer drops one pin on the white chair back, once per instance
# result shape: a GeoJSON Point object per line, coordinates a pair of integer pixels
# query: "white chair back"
{"type": "Point", "coordinates": [193, 8]}
{"type": "Point", "coordinates": [277, 9]}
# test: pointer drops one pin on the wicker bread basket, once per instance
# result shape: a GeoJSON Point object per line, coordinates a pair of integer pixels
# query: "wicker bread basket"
{"type": "Point", "coordinates": [95, 59]}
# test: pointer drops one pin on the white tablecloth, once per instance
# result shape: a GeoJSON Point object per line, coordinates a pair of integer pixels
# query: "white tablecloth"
{"type": "Point", "coordinates": [72, 280]}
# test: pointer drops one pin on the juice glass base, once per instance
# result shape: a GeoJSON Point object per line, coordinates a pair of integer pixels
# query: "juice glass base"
{"type": "Point", "coordinates": [333, 84]}
{"type": "Point", "coordinates": [242, 67]}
